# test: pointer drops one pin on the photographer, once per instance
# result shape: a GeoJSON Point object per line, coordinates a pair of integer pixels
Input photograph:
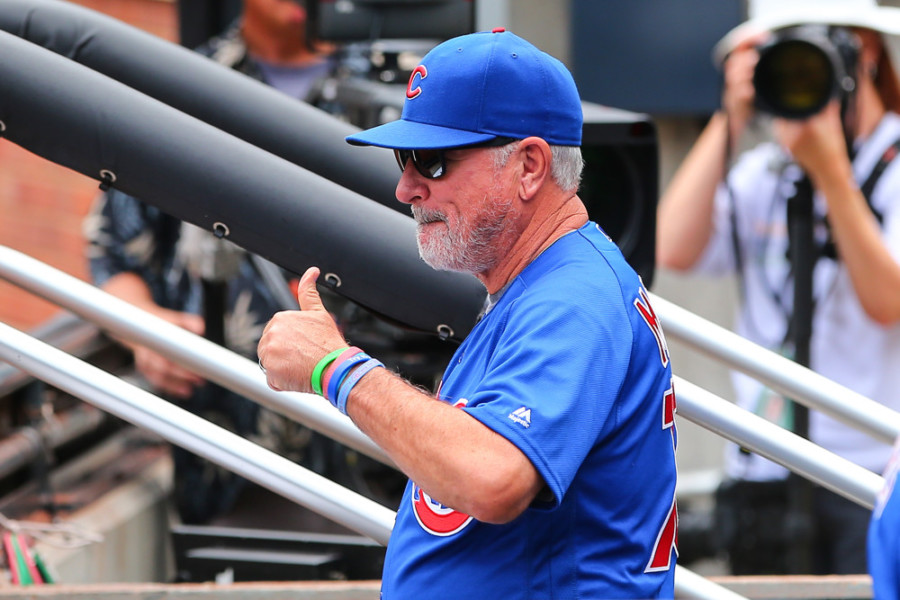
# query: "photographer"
{"type": "Point", "coordinates": [716, 218]}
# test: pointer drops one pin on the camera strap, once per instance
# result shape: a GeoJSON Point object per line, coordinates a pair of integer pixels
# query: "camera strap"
{"type": "Point", "coordinates": [829, 250]}
{"type": "Point", "coordinates": [875, 175]}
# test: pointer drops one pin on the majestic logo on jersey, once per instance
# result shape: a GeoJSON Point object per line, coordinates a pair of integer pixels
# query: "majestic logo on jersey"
{"type": "Point", "coordinates": [643, 305]}
{"type": "Point", "coordinates": [434, 517]}
{"type": "Point", "coordinates": [413, 91]}
{"type": "Point", "coordinates": [522, 416]}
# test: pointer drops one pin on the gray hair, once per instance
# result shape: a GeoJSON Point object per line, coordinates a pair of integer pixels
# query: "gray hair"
{"type": "Point", "coordinates": [566, 166]}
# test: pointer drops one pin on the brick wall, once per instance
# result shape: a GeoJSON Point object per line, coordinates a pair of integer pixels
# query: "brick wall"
{"type": "Point", "coordinates": [41, 203]}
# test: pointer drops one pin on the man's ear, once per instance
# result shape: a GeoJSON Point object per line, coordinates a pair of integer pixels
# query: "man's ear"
{"type": "Point", "coordinates": [536, 158]}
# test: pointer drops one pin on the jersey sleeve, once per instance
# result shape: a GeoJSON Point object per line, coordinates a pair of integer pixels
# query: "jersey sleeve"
{"type": "Point", "coordinates": [554, 377]}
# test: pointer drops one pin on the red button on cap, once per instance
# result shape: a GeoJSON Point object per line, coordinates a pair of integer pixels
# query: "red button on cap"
{"type": "Point", "coordinates": [498, 29]}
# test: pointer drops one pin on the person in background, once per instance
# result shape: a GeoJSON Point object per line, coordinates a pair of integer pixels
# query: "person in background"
{"type": "Point", "coordinates": [269, 43]}
{"type": "Point", "coordinates": [544, 466]}
{"type": "Point", "coordinates": [149, 258]}
{"type": "Point", "coordinates": [718, 218]}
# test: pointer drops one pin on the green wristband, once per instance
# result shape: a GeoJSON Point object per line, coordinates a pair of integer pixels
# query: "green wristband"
{"type": "Point", "coordinates": [316, 378]}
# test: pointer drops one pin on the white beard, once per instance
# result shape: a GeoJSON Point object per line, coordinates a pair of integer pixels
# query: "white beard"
{"type": "Point", "coordinates": [470, 247]}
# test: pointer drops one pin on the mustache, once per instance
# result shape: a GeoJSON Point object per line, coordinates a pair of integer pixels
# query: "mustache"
{"type": "Point", "coordinates": [422, 215]}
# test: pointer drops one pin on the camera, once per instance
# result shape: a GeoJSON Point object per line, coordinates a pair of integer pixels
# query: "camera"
{"type": "Point", "coordinates": [802, 68]}
{"type": "Point", "coordinates": [358, 20]}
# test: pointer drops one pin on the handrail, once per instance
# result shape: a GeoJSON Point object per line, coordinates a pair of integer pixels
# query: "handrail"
{"type": "Point", "coordinates": [185, 429]}
{"type": "Point", "coordinates": [233, 452]}
{"type": "Point", "coordinates": [781, 374]}
{"type": "Point", "coordinates": [777, 444]}
{"type": "Point", "coordinates": [214, 362]}
{"type": "Point", "coordinates": [64, 331]}
{"type": "Point", "coordinates": [241, 375]}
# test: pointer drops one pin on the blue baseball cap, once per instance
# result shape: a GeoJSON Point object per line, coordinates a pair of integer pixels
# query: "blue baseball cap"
{"type": "Point", "coordinates": [476, 87]}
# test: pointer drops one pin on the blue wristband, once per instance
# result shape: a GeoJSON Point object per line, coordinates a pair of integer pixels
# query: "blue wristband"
{"type": "Point", "coordinates": [340, 372]}
{"type": "Point", "coordinates": [352, 380]}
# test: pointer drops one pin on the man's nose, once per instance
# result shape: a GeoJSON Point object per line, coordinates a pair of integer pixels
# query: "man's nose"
{"type": "Point", "coordinates": [410, 188]}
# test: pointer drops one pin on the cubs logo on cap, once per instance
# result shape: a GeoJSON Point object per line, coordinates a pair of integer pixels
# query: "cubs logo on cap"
{"type": "Point", "coordinates": [480, 86]}
{"type": "Point", "coordinates": [418, 73]}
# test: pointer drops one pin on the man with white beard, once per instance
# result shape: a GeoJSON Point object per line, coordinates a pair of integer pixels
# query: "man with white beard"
{"type": "Point", "coordinates": [544, 466]}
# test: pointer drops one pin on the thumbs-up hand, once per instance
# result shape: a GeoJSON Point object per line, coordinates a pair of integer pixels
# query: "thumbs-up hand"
{"type": "Point", "coordinates": [295, 340]}
{"type": "Point", "coordinates": [307, 294]}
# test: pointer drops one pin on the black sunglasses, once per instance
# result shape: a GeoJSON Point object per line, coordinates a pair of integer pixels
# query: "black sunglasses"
{"type": "Point", "coordinates": [432, 164]}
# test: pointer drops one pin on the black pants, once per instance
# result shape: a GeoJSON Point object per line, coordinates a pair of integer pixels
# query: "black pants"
{"type": "Point", "coordinates": [839, 534]}
{"type": "Point", "coordinates": [757, 530]}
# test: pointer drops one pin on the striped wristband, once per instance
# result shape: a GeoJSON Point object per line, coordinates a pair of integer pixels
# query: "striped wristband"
{"type": "Point", "coordinates": [329, 371]}
{"type": "Point", "coordinates": [352, 380]}
{"type": "Point", "coordinates": [340, 373]}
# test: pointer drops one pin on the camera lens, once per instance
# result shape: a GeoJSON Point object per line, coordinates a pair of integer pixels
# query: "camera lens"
{"type": "Point", "coordinates": [793, 79]}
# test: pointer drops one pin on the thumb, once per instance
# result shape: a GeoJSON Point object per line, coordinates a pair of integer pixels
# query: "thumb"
{"type": "Point", "coordinates": [307, 294]}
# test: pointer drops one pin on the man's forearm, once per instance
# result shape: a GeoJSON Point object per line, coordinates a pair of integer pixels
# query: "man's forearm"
{"type": "Point", "coordinates": [448, 453]}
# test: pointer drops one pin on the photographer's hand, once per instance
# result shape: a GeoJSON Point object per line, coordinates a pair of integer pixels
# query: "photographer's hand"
{"type": "Point", "coordinates": [818, 146]}
{"type": "Point", "coordinates": [738, 93]}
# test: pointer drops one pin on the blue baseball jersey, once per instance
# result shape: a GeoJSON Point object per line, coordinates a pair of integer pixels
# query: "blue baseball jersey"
{"type": "Point", "coordinates": [571, 366]}
{"type": "Point", "coordinates": [884, 535]}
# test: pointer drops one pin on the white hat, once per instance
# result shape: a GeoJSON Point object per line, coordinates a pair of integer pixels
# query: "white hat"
{"type": "Point", "coordinates": [768, 15]}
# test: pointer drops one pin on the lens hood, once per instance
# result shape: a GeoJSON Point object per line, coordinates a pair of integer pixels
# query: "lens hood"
{"type": "Point", "coordinates": [802, 68]}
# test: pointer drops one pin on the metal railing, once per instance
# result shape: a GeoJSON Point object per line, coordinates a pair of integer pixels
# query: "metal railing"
{"type": "Point", "coordinates": [243, 376]}
{"type": "Point", "coordinates": [779, 373]}
{"type": "Point", "coordinates": [779, 445]}
{"type": "Point", "coordinates": [183, 428]}
{"type": "Point", "coordinates": [214, 362]}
